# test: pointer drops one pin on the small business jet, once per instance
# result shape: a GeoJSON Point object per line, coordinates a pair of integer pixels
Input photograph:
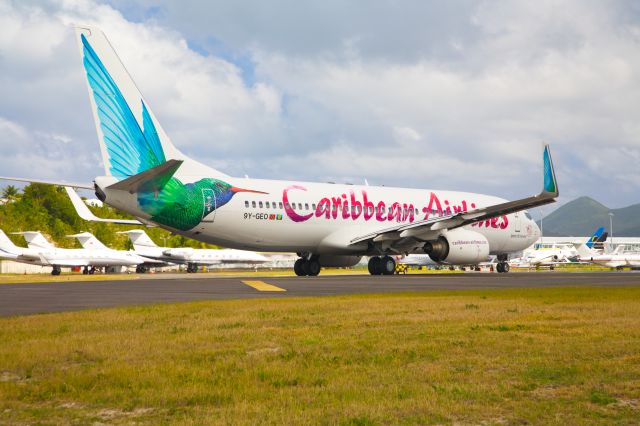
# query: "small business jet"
{"type": "Point", "coordinates": [623, 256]}
{"type": "Point", "coordinates": [552, 254]}
{"type": "Point", "coordinates": [193, 258]}
{"type": "Point", "coordinates": [42, 252]}
{"type": "Point", "coordinates": [146, 176]}
{"type": "Point", "coordinates": [88, 241]}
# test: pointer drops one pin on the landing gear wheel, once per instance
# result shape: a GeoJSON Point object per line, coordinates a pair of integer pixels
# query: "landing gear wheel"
{"type": "Point", "coordinates": [56, 270]}
{"type": "Point", "coordinates": [298, 267]}
{"type": "Point", "coordinates": [388, 265]}
{"type": "Point", "coordinates": [503, 267]}
{"type": "Point", "coordinates": [85, 270]}
{"type": "Point", "coordinates": [374, 265]}
{"type": "Point", "coordinates": [313, 267]}
{"type": "Point", "coordinates": [92, 270]}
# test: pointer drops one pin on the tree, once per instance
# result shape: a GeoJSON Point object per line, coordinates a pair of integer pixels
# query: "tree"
{"type": "Point", "coordinates": [10, 192]}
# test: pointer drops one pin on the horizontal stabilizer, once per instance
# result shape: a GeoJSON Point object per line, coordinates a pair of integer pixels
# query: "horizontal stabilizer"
{"type": "Point", "coordinates": [150, 180]}
{"type": "Point", "coordinates": [82, 185]}
{"type": "Point", "coordinates": [35, 240]}
{"type": "Point", "coordinates": [88, 241]}
{"type": "Point", "coordinates": [84, 212]}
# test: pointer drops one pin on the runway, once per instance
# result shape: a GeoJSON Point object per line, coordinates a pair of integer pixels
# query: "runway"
{"type": "Point", "coordinates": [21, 299]}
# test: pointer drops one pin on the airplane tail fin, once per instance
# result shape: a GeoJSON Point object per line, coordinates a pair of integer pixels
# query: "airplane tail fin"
{"type": "Point", "coordinates": [139, 238]}
{"type": "Point", "coordinates": [36, 240]}
{"type": "Point", "coordinates": [599, 244]}
{"type": "Point", "coordinates": [131, 138]}
{"type": "Point", "coordinates": [88, 241]}
{"type": "Point", "coordinates": [6, 245]}
{"type": "Point", "coordinates": [595, 237]}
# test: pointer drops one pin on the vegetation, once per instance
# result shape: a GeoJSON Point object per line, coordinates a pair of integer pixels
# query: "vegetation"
{"type": "Point", "coordinates": [47, 208]}
{"type": "Point", "coordinates": [541, 356]}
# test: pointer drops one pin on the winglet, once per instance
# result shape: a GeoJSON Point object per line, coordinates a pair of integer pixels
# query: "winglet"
{"type": "Point", "coordinates": [550, 184]}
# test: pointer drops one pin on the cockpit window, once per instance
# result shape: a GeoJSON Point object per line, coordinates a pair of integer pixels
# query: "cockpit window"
{"type": "Point", "coordinates": [527, 215]}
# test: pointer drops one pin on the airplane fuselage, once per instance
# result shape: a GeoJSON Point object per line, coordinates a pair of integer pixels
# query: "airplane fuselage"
{"type": "Point", "coordinates": [324, 218]}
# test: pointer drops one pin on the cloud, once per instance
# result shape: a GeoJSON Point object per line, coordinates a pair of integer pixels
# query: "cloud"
{"type": "Point", "coordinates": [454, 95]}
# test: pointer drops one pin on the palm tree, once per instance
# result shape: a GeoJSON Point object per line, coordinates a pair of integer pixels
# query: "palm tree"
{"type": "Point", "coordinates": [10, 193]}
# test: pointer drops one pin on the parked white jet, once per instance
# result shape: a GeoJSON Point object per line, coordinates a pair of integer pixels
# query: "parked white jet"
{"type": "Point", "coordinates": [327, 225]}
{"type": "Point", "coordinates": [41, 252]}
{"type": "Point", "coordinates": [90, 242]}
{"type": "Point", "coordinates": [623, 256]}
{"type": "Point", "coordinates": [552, 254]}
{"type": "Point", "coordinates": [193, 258]}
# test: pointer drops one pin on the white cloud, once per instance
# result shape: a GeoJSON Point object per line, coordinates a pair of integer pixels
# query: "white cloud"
{"type": "Point", "coordinates": [456, 96]}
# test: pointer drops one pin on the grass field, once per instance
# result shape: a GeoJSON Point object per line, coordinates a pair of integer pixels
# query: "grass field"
{"type": "Point", "coordinates": [541, 356]}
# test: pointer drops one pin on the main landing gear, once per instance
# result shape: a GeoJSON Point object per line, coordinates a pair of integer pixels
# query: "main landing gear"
{"type": "Point", "coordinates": [56, 270]}
{"type": "Point", "coordinates": [141, 269]}
{"type": "Point", "coordinates": [382, 265]}
{"type": "Point", "coordinates": [307, 267]}
{"type": "Point", "coordinates": [503, 266]}
{"type": "Point", "coordinates": [192, 268]}
{"type": "Point", "coordinates": [88, 271]}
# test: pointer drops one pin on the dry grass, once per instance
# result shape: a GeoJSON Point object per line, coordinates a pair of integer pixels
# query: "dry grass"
{"type": "Point", "coordinates": [568, 356]}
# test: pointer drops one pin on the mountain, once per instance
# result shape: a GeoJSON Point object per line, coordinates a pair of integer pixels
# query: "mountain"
{"type": "Point", "coordinates": [582, 216]}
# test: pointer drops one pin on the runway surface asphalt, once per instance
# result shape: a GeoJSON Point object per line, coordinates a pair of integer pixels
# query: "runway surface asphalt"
{"type": "Point", "coordinates": [20, 299]}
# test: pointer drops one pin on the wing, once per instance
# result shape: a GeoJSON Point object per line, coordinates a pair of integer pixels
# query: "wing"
{"type": "Point", "coordinates": [50, 260]}
{"type": "Point", "coordinates": [548, 195]}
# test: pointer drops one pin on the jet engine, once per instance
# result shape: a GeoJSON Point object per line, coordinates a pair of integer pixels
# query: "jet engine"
{"type": "Point", "coordinates": [458, 247]}
{"type": "Point", "coordinates": [338, 261]}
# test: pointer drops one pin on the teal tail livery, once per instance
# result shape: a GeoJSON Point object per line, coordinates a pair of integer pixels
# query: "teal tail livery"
{"type": "Point", "coordinates": [137, 152]}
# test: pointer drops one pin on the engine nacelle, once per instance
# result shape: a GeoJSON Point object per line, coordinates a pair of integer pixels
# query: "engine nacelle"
{"type": "Point", "coordinates": [458, 247]}
{"type": "Point", "coordinates": [338, 261]}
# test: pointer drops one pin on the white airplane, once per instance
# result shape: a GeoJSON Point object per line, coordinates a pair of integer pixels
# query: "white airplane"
{"type": "Point", "coordinates": [90, 242]}
{"type": "Point", "coordinates": [146, 176]}
{"type": "Point", "coordinates": [552, 254]}
{"type": "Point", "coordinates": [622, 256]}
{"type": "Point", "coordinates": [193, 258]}
{"type": "Point", "coordinates": [42, 252]}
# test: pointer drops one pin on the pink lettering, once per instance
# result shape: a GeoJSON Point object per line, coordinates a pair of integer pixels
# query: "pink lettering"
{"type": "Point", "coordinates": [324, 208]}
{"type": "Point", "coordinates": [368, 206]}
{"type": "Point", "coordinates": [380, 212]}
{"type": "Point", "coordinates": [287, 207]}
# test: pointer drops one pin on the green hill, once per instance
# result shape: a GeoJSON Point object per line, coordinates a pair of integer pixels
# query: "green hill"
{"type": "Point", "coordinates": [582, 216]}
{"type": "Point", "coordinates": [47, 208]}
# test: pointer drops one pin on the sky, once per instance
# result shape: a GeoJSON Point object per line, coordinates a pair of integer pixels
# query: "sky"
{"type": "Point", "coordinates": [457, 95]}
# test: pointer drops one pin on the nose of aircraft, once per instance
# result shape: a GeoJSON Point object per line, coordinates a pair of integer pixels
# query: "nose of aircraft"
{"type": "Point", "coordinates": [535, 233]}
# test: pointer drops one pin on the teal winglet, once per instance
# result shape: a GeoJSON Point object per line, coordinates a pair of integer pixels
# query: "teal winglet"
{"type": "Point", "coordinates": [550, 184]}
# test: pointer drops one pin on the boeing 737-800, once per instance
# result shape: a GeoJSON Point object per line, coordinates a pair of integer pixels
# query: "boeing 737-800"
{"type": "Point", "coordinates": [327, 225]}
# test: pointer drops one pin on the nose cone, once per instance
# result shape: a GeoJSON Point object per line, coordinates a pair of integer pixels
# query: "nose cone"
{"type": "Point", "coordinates": [535, 233]}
